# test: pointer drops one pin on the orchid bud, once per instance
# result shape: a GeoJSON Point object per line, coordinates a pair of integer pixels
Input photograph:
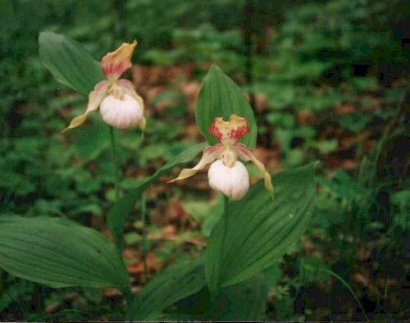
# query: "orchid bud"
{"type": "Point", "coordinates": [122, 113]}
{"type": "Point", "coordinates": [231, 181]}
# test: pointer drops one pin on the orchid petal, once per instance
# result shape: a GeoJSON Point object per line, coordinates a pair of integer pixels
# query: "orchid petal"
{"type": "Point", "coordinates": [209, 154]}
{"type": "Point", "coordinates": [122, 113]}
{"type": "Point", "coordinates": [128, 88]}
{"type": "Point", "coordinates": [142, 124]}
{"type": "Point", "coordinates": [232, 181]}
{"type": "Point", "coordinates": [229, 132]}
{"type": "Point", "coordinates": [115, 63]}
{"type": "Point", "coordinates": [94, 100]}
{"type": "Point", "coordinates": [244, 153]}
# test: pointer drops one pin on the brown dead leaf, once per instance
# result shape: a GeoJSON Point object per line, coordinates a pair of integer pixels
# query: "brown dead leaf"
{"type": "Point", "coordinates": [168, 232]}
{"type": "Point", "coordinates": [152, 92]}
{"type": "Point", "coordinates": [361, 279]}
{"type": "Point", "coordinates": [129, 253]}
{"type": "Point", "coordinates": [362, 254]}
{"type": "Point", "coordinates": [111, 292]}
{"type": "Point", "coordinates": [308, 246]}
{"type": "Point", "coordinates": [349, 164]}
{"type": "Point", "coordinates": [344, 108]}
{"type": "Point", "coordinates": [261, 102]}
{"type": "Point", "coordinates": [191, 131]}
{"type": "Point", "coordinates": [53, 308]}
{"type": "Point", "coordinates": [304, 117]}
{"type": "Point", "coordinates": [155, 75]}
{"type": "Point", "coordinates": [350, 141]}
{"type": "Point", "coordinates": [153, 263]}
{"type": "Point", "coordinates": [190, 90]}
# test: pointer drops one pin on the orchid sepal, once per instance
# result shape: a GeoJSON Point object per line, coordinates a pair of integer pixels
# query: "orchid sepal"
{"type": "Point", "coordinates": [209, 154]}
{"type": "Point", "coordinates": [94, 100]}
{"type": "Point", "coordinates": [245, 154]}
{"type": "Point", "coordinates": [115, 63]}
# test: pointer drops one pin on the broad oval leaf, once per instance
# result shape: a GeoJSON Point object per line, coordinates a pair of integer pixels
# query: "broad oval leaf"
{"type": "Point", "coordinates": [118, 215]}
{"type": "Point", "coordinates": [221, 97]}
{"type": "Point", "coordinates": [168, 287]}
{"type": "Point", "coordinates": [69, 62]}
{"type": "Point", "coordinates": [256, 231]}
{"type": "Point", "coordinates": [59, 253]}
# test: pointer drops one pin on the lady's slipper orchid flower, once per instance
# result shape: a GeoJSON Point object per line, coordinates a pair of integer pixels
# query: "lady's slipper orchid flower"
{"type": "Point", "coordinates": [227, 174]}
{"type": "Point", "coordinates": [120, 106]}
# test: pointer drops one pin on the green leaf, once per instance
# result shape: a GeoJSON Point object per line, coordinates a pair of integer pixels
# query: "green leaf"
{"type": "Point", "coordinates": [221, 97]}
{"type": "Point", "coordinates": [120, 212]}
{"type": "Point", "coordinates": [241, 302]}
{"type": "Point", "coordinates": [354, 122]}
{"type": "Point", "coordinates": [168, 287]}
{"type": "Point", "coordinates": [256, 231]}
{"type": "Point", "coordinates": [59, 253]}
{"type": "Point", "coordinates": [69, 62]}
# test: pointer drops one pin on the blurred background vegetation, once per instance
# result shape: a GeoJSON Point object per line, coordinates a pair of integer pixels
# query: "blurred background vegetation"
{"type": "Point", "coordinates": [328, 81]}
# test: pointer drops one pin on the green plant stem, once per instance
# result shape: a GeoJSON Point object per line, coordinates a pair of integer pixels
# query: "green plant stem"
{"type": "Point", "coordinates": [225, 215]}
{"type": "Point", "coordinates": [225, 226]}
{"type": "Point", "coordinates": [345, 284]}
{"type": "Point", "coordinates": [115, 164]}
{"type": "Point", "coordinates": [144, 235]}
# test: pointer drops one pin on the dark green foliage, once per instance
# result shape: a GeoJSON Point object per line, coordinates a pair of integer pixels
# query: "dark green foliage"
{"type": "Point", "coordinates": [328, 73]}
{"type": "Point", "coordinates": [240, 302]}
{"type": "Point", "coordinates": [245, 301]}
{"type": "Point", "coordinates": [167, 288]}
{"type": "Point", "coordinates": [256, 231]}
{"type": "Point", "coordinates": [59, 253]}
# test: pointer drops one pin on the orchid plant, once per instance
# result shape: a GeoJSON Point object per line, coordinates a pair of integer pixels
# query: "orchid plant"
{"type": "Point", "coordinates": [120, 106]}
{"type": "Point", "coordinates": [227, 174]}
{"type": "Point", "coordinates": [251, 235]}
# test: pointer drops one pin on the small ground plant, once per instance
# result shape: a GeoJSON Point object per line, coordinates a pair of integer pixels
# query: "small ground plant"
{"type": "Point", "coordinates": [258, 225]}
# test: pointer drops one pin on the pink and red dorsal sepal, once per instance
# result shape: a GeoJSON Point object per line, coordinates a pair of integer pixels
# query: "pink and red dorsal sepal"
{"type": "Point", "coordinates": [115, 63]}
{"type": "Point", "coordinates": [230, 131]}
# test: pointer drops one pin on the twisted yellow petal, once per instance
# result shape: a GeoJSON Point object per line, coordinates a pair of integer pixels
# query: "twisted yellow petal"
{"type": "Point", "coordinates": [208, 156]}
{"type": "Point", "coordinates": [94, 100]}
{"type": "Point", "coordinates": [244, 153]}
